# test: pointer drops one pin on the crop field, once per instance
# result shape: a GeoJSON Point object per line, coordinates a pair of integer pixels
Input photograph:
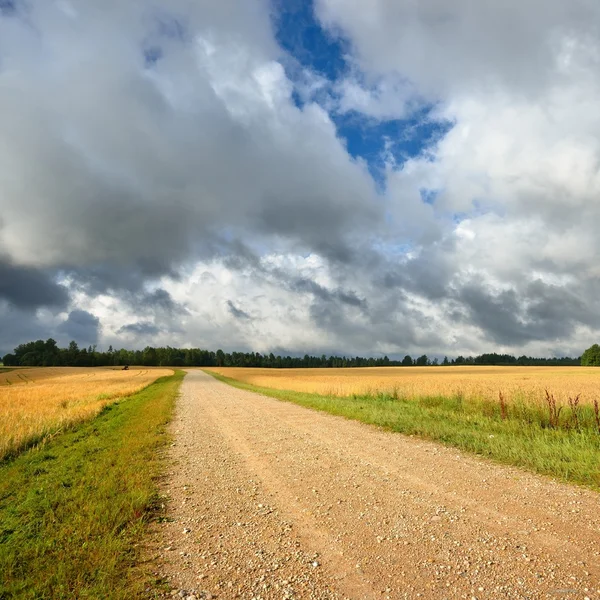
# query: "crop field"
{"type": "Point", "coordinates": [37, 403]}
{"type": "Point", "coordinates": [517, 384]}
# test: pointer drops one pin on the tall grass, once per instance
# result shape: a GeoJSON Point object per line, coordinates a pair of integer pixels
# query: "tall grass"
{"type": "Point", "coordinates": [513, 432]}
{"type": "Point", "coordinates": [72, 512]}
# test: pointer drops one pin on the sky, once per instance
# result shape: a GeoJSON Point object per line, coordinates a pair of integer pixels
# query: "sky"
{"type": "Point", "coordinates": [301, 176]}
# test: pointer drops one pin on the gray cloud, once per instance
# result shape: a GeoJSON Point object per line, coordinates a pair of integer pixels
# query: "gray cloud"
{"type": "Point", "coordinates": [303, 285]}
{"type": "Point", "coordinates": [30, 288]}
{"type": "Point", "coordinates": [156, 162]}
{"type": "Point", "coordinates": [236, 312]}
{"type": "Point", "coordinates": [18, 326]}
{"type": "Point", "coordinates": [139, 329]}
{"type": "Point", "coordinates": [159, 300]}
{"type": "Point", "coordinates": [441, 48]}
{"type": "Point", "coordinates": [81, 326]}
{"type": "Point", "coordinates": [151, 174]}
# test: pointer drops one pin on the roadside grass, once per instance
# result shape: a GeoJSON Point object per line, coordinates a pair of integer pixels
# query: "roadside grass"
{"type": "Point", "coordinates": [73, 510]}
{"type": "Point", "coordinates": [519, 434]}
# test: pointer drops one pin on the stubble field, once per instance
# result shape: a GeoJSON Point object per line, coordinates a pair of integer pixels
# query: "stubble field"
{"type": "Point", "coordinates": [36, 403]}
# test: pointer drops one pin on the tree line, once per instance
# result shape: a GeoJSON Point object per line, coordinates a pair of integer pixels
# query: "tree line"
{"type": "Point", "coordinates": [47, 354]}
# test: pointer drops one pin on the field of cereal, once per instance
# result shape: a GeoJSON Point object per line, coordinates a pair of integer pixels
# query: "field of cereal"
{"type": "Point", "coordinates": [39, 402]}
{"type": "Point", "coordinates": [517, 384]}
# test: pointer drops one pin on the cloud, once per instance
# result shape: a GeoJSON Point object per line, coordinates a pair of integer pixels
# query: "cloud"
{"type": "Point", "coordinates": [142, 168]}
{"type": "Point", "coordinates": [171, 170]}
{"type": "Point", "coordinates": [443, 49]}
{"type": "Point", "coordinates": [237, 312]}
{"type": "Point", "coordinates": [141, 329]}
{"type": "Point", "coordinates": [30, 288]}
{"type": "Point", "coordinates": [81, 326]}
{"type": "Point", "coordinates": [18, 326]}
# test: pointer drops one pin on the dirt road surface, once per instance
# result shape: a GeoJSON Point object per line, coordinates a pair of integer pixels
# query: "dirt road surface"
{"type": "Point", "coordinates": [271, 500]}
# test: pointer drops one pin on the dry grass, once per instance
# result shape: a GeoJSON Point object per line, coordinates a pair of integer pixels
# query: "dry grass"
{"type": "Point", "coordinates": [516, 384]}
{"type": "Point", "coordinates": [39, 402]}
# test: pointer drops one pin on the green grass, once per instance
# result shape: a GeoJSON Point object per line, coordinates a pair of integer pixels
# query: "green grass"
{"type": "Point", "coordinates": [72, 511]}
{"type": "Point", "coordinates": [523, 439]}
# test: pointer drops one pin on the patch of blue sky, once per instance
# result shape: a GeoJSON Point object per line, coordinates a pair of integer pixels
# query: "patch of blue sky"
{"type": "Point", "coordinates": [388, 142]}
{"type": "Point", "coordinates": [300, 34]}
{"type": "Point", "coordinates": [312, 48]}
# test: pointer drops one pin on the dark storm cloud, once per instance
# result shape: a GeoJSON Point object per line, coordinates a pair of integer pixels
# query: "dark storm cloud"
{"type": "Point", "coordinates": [110, 278]}
{"type": "Point", "coordinates": [129, 285]}
{"type": "Point", "coordinates": [30, 288]}
{"type": "Point", "coordinates": [141, 329]}
{"type": "Point", "coordinates": [19, 326]}
{"type": "Point", "coordinates": [237, 313]}
{"type": "Point", "coordinates": [81, 326]}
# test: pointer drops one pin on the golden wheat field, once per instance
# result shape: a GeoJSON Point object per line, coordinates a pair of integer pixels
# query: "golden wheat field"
{"type": "Point", "coordinates": [473, 382]}
{"type": "Point", "coordinates": [39, 402]}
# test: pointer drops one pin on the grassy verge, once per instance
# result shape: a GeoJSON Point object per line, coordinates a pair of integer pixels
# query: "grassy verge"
{"type": "Point", "coordinates": [72, 511]}
{"type": "Point", "coordinates": [523, 437]}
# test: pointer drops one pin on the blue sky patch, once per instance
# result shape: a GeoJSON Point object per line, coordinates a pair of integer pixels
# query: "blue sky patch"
{"type": "Point", "coordinates": [311, 47]}
{"type": "Point", "coordinates": [300, 34]}
{"type": "Point", "coordinates": [376, 141]}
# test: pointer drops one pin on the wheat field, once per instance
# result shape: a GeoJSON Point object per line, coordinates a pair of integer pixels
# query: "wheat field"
{"type": "Point", "coordinates": [517, 384]}
{"type": "Point", "coordinates": [39, 402]}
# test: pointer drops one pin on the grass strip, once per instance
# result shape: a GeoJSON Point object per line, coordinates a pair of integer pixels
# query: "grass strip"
{"type": "Point", "coordinates": [521, 439]}
{"type": "Point", "coordinates": [72, 511]}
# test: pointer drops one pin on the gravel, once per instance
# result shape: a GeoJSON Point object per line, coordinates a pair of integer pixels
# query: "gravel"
{"type": "Point", "coordinates": [270, 500]}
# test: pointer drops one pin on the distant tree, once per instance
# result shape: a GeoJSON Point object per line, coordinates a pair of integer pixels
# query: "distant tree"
{"type": "Point", "coordinates": [445, 362]}
{"type": "Point", "coordinates": [591, 357]}
{"type": "Point", "coordinates": [407, 361]}
{"type": "Point", "coordinates": [422, 361]}
{"type": "Point", "coordinates": [10, 360]}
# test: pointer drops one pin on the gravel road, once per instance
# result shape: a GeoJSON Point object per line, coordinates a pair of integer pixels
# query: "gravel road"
{"type": "Point", "coordinates": [271, 500]}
